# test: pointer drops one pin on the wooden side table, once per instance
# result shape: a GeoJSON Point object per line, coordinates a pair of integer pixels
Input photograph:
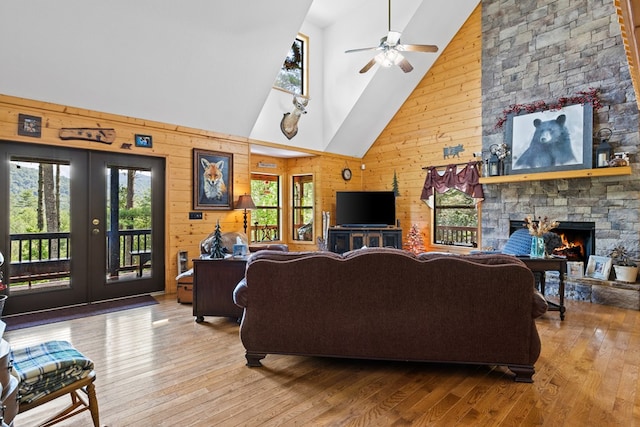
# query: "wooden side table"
{"type": "Point", "coordinates": [539, 266]}
{"type": "Point", "coordinates": [213, 283]}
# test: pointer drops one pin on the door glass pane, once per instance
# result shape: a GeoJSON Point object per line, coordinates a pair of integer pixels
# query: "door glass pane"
{"type": "Point", "coordinates": [128, 223]}
{"type": "Point", "coordinates": [39, 223]}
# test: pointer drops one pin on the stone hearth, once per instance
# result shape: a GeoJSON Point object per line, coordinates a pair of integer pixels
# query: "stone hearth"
{"type": "Point", "coordinates": [607, 292]}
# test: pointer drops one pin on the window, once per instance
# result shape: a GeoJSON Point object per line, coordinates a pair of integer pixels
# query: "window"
{"type": "Point", "coordinates": [265, 192]}
{"type": "Point", "coordinates": [302, 188]}
{"type": "Point", "coordinates": [455, 219]}
{"type": "Point", "coordinates": [293, 74]}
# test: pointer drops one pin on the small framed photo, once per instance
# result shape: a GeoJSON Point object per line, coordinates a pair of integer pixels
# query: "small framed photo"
{"type": "Point", "coordinates": [598, 267]}
{"type": "Point", "coordinates": [575, 269]}
{"type": "Point", "coordinates": [144, 141]}
{"type": "Point", "coordinates": [239, 250]}
{"type": "Point", "coordinates": [29, 125]}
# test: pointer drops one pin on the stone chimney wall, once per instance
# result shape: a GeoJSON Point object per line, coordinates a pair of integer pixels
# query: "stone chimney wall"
{"type": "Point", "coordinates": [542, 51]}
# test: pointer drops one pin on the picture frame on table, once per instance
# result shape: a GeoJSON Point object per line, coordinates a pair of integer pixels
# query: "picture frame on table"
{"type": "Point", "coordinates": [575, 269]}
{"type": "Point", "coordinates": [599, 267]}
{"type": "Point", "coordinates": [212, 180]}
{"type": "Point", "coordinates": [240, 250]}
{"type": "Point", "coordinates": [551, 140]}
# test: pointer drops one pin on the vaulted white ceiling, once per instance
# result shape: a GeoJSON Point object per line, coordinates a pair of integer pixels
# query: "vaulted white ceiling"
{"type": "Point", "coordinates": [211, 64]}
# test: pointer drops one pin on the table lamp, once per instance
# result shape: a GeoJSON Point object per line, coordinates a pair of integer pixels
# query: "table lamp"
{"type": "Point", "coordinates": [245, 202]}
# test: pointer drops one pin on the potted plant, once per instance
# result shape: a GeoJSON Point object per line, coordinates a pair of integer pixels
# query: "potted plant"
{"type": "Point", "coordinates": [625, 267]}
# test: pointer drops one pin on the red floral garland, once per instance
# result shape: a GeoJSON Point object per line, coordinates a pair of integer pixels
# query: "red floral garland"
{"type": "Point", "coordinates": [584, 97]}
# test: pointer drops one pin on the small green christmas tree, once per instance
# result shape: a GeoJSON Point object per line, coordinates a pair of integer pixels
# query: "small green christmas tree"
{"type": "Point", "coordinates": [396, 190]}
{"type": "Point", "coordinates": [216, 245]}
{"type": "Point", "coordinates": [414, 243]}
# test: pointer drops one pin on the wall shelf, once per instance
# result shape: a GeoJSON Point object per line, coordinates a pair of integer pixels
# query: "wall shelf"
{"type": "Point", "coordinates": [542, 176]}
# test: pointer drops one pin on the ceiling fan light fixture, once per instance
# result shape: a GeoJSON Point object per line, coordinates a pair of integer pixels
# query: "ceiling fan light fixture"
{"type": "Point", "coordinates": [389, 58]}
{"type": "Point", "coordinates": [390, 49]}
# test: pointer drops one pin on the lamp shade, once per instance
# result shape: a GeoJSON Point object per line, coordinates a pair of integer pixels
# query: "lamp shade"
{"type": "Point", "coordinates": [245, 202]}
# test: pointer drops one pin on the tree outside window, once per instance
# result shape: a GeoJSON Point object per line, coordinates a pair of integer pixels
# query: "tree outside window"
{"type": "Point", "coordinates": [292, 75]}
{"type": "Point", "coordinates": [302, 187]}
{"type": "Point", "coordinates": [265, 192]}
{"type": "Point", "coordinates": [455, 219]}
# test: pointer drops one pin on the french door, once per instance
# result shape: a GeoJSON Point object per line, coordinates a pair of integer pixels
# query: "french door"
{"type": "Point", "coordinates": [79, 226]}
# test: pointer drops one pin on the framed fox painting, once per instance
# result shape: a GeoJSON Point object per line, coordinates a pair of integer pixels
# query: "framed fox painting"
{"type": "Point", "coordinates": [212, 180]}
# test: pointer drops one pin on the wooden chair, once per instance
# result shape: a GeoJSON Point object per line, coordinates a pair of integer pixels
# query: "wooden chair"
{"type": "Point", "coordinates": [47, 386]}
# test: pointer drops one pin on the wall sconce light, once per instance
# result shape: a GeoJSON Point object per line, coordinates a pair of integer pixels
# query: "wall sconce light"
{"type": "Point", "coordinates": [604, 150]}
{"type": "Point", "coordinates": [245, 202]}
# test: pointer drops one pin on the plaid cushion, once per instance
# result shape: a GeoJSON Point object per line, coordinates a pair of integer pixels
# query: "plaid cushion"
{"type": "Point", "coordinates": [48, 367]}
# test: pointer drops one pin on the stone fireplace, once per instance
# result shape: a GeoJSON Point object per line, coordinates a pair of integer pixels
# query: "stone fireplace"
{"type": "Point", "coordinates": [535, 51]}
{"type": "Point", "coordinates": [543, 51]}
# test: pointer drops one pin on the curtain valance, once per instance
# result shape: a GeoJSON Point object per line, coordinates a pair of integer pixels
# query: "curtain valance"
{"type": "Point", "coordinates": [465, 180]}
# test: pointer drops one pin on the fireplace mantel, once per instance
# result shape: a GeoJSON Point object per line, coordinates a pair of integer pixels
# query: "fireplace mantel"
{"type": "Point", "coordinates": [581, 173]}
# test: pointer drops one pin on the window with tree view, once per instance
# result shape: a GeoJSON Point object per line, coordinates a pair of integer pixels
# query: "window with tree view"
{"type": "Point", "coordinates": [265, 192]}
{"type": "Point", "coordinates": [302, 187]}
{"type": "Point", "coordinates": [292, 75]}
{"type": "Point", "coordinates": [455, 219]}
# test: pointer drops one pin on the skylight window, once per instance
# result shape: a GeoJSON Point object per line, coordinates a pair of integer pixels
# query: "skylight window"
{"type": "Point", "coordinates": [293, 74]}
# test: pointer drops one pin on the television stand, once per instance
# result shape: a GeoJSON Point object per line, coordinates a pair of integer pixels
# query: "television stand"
{"type": "Point", "coordinates": [343, 238]}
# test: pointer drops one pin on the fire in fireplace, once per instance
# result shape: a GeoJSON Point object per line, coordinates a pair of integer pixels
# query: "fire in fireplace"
{"type": "Point", "coordinates": [577, 238]}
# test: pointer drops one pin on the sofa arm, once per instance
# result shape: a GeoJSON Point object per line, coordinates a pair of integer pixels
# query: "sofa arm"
{"type": "Point", "coordinates": [240, 296]}
{"type": "Point", "coordinates": [540, 305]}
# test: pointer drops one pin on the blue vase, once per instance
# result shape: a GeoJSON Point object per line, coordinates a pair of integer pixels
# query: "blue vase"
{"type": "Point", "coordinates": [537, 247]}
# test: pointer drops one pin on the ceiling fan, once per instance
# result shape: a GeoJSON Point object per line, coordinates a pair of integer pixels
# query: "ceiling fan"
{"type": "Point", "coordinates": [390, 50]}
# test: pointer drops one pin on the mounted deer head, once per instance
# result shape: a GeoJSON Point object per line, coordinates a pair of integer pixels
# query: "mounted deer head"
{"type": "Point", "coordinates": [289, 122]}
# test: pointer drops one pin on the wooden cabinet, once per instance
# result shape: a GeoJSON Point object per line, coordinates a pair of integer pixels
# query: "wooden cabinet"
{"type": "Point", "coordinates": [343, 239]}
{"type": "Point", "coordinates": [213, 283]}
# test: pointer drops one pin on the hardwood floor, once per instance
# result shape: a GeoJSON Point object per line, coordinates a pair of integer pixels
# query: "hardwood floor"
{"type": "Point", "coordinates": [157, 367]}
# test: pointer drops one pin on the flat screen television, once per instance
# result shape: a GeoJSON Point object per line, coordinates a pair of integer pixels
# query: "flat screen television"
{"type": "Point", "coordinates": [365, 208]}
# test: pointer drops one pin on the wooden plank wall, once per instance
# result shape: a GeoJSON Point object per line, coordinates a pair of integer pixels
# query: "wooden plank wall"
{"type": "Point", "coordinates": [327, 174]}
{"type": "Point", "coordinates": [172, 143]}
{"type": "Point", "coordinates": [175, 145]}
{"type": "Point", "coordinates": [444, 110]}
{"type": "Point", "coordinates": [629, 18]}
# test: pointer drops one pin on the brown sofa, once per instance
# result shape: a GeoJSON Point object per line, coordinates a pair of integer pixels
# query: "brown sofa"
{"type": "Point", "coordinates": [390, 304]}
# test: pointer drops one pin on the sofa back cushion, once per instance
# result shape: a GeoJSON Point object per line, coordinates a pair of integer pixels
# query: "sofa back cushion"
{"type": "Point", "coordinates": [389, 302]}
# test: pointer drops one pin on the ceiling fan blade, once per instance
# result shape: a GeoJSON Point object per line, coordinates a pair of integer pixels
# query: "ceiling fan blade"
{"type": "Point", "coordinates": [419, 48]}
{"type": "Point", "coordinates": [405, 66]}
{"type": "Point", "coordinates": [361, 49]}
{"type": "Point", "coordinates": [368, 66]}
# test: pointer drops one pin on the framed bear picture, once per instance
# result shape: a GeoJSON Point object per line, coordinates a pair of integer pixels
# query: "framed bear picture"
{"type": "Point", "coordinates": [551, 140]}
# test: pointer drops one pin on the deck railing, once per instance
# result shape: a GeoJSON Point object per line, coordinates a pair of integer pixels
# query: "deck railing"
{"type": "Point", "coordinates": [457, 236]}
{"type": "Point", "coordinates": [38, 256]}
